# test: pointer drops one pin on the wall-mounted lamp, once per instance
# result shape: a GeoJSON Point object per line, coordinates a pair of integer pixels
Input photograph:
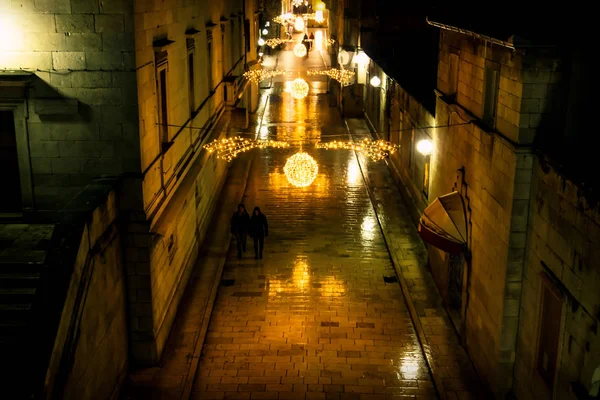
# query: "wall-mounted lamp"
{"type": "Point", "coordinates": [361, 58]}
{"type": "Point", "coordinates": [375, 81]}
{"type": "Point", "coordinates": [261, 42]}
{"type": "Point", "coordinates": [425, 147]}
{"type": "Point", "coordinates": [265, 32]}
{"type": "Point", "coordinates": [260, 54]}
{"type": "Point", "coordinates": [299, 25]}
{"type": "Point", "coordinates": [267, 24]}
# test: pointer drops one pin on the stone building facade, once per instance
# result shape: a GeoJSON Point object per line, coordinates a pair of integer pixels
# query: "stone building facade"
{"type": "Point", "coordinates": [131, 89]}
{"type": "Point", "coordinates": [523, 297]}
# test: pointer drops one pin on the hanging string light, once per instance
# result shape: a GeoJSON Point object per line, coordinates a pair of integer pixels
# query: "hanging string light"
{"type": "Point", "coordinates": [297, 3]}
{"type": "Point", "coordinates": [272, 43]}
{"type": "Point", "coordinates": [300, 50]}
{"type": "Point", "coordinates": [343, 76]}
{"type": "Point", "coordinates": [228, 148]}
{"type": "Point", "coordinates": [374, 149]}
{"type": "Point", "coordinates": [299, 89]}
{"type": "Point", "coordinates": [257, 75]}
{"type": "Point", "coordinates": [301, 169]}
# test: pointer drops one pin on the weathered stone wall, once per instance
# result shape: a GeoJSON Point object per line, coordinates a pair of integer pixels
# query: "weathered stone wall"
{"type": "Point", "coordinates": [83, 51]}
{"type": "Point", "coordinates": [180, 182]}
{"type": "Point", "coordinates": [564, 240]}
{"type": "Point", "coordinates": [90, 357]}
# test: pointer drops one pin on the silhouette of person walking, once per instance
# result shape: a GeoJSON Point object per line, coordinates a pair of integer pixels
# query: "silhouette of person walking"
{"type": "Point", "coordinates": [240, 222]}
{"type": "Point", "coordinates": [259, 229]}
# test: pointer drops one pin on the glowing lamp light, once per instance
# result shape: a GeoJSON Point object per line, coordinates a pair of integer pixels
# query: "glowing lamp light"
{"type": "Point", "coordinates": [361, 58]}
{"type": "Point", "coordinates": [267, 24]}
{"type": "Point", "coordinates": [319, 16]}
{"type": "Point", "coordinates": [300, 50]}
{"type": "Point", "coordinates": [261, 42]}
{"type": "Point", "coordinates": [425, 147]}
{"type": "Point", "coordinates": [265, 31]}
{"type": "Point", "coordinates": [375, 81]}
{"type": "Point", "coordinates": [299, 24]}
{"type": "Point", "coordinates": [301, 169]}
{"type": "Point", "coordinates": [320, 5]}
{"type": "Point", "coordinates": [260, 54]}
{"type": "Point", "coordinates": [299, 89]}
{"type": "Point", "coordinates": [343, 57]}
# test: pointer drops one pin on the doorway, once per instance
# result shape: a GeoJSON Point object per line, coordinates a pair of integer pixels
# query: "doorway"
{"type": "Point", "coordinates": [11, 201]}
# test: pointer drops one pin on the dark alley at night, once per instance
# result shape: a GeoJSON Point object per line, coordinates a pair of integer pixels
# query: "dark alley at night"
{"type": "Point", "coordinates": [288, 199]}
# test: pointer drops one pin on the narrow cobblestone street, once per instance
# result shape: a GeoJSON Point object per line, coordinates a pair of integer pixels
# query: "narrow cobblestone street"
{"type": "Point", "coordinates": [322, 316]}
{"type": "Point", "coordinates": [330, 311]}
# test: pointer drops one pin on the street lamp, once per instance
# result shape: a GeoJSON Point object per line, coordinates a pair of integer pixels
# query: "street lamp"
{"type": "Point", "coordinates": [265, 32]}
{"type": "Point", "coordinates": [375, 81]}
{"type": "Point", "coordinates": [261, 42]}
{"type": "Point", "coordinates": [425, 147]}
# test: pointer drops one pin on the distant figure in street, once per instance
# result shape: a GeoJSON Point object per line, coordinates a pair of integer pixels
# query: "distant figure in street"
{"type": "Point", "coordinates": [259, 229]}
{"type": "Point", "coordinates": [312, 40]}
{"type": "Point", "coordinates": [306, 43]}
{"type": "Point", "coordinates": [240, 222]}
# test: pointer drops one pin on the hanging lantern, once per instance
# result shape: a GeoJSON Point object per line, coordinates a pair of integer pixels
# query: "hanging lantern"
{"type": "Point", "coordinates": [299, 89]}
{"type": "Point", "coordinates": [425, 147]}
{"type": "Point", "coordinates": [299, 25]}
{"type": "Point", "coordinates": [301, 169]}
{"type": "Point", "coordinates": [300, 50]}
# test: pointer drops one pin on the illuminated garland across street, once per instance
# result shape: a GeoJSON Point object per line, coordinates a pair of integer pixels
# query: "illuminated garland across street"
{"type": "Point", "coordinates": [343, 76]}
{"type": "Point", "coordinates": [227, 149]}
{"type": "Point", "coordinates": [272, 43]}
{"type": "Point", "coordinates": [257, 75]}
{"type": "Point", "coordinates": [374, 149]}
{"type": "Point", "coordinates": [283, 18]}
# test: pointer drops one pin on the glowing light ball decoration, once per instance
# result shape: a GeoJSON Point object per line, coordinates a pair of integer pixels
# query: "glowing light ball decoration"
{"type": "Point", "coordinates": [299, 89]}
{"type": "Point", "coordinates": [300, 50]}
{"type": "Point", "coordinates": [299, 24]}
{"type": "Point", "coordinates": [301, 169]}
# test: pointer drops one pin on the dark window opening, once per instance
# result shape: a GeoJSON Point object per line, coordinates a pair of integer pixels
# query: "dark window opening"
{"type": "Point", "coordinates": [490, 95]}
{"type": "Point", "coordinates": [11, 200]}
{"type": "Point", "coordinates": [191, 83]}
{"type": "Point", "coordinates": [209, 67]}
{"type": "Point", "coordinates": [163, 106]}
{"type": "Point", "coordinates": [453, 75]}
{"type": "Point", "coordinates": [549, 333]}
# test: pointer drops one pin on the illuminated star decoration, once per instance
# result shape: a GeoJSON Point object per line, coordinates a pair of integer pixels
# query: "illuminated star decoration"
{"type": "Point", "coordinates": [272, 43]}
{"type": "Point", "coordinates": [343, 76]}
{"type": "Point", "coordinates": [374, 149]}
{"type": "Point", "coordinates": [228, 148]}
{"type": "Point", "coordinates": [257, 75]}
{"type": "Point", "coordinates": [301, 169]}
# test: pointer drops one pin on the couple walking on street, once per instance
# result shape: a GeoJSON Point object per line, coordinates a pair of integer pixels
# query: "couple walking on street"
{"type": "Point", "coordinates": [256, 226]}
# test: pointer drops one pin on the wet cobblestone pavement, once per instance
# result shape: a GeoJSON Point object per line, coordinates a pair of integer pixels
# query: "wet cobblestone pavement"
{"type": "Point", "coordinates": [322, 316]}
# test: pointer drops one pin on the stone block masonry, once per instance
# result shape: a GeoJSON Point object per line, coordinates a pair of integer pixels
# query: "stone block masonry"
{"type": "Point", "coordinates": [78, 50]}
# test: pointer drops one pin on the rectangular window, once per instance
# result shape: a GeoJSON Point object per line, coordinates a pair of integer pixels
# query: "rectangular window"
{"type": "Point", "coordinates": [191, 76]}
{"type": "Point", "coordinates": [223, 61]}
{"type": "Point", "coordinates": [549, 332]}
{"type": "Point", "coordinates": [490, 96]}
{"type": "Point", "coordinates": [11, 200]}
{"type": "Point", "coordinates": [453, 75]}
{"type": "Point", "coordinates": [411, 151]}
{"type": "Point", "coordinates": [191, 83]}
{"type": "Point", "coordinates": [209, 67]}
{"type": "Point", "coordinates": [247, 34]}
{"type": "Point", "coordinates": [162, 86]}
